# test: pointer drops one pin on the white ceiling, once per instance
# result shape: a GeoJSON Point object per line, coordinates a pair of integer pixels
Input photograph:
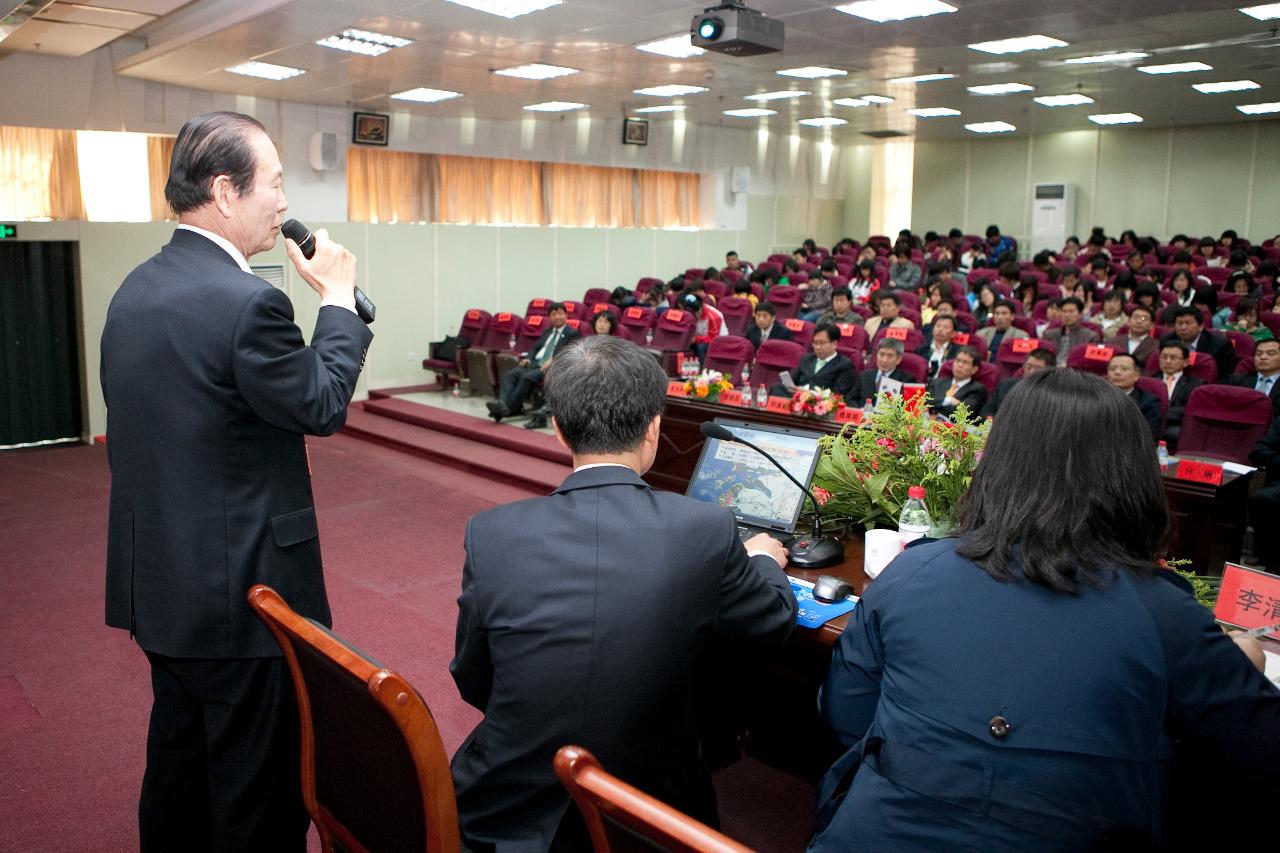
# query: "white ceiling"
{"type": "Point", "coordinates": [456, 48]}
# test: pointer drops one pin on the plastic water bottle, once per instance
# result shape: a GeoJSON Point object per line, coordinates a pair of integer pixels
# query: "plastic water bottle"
{"type": "Point", "coordinates": [746, 374]}
{"type": "Point", "coordinates": [867, 407]}
{"type": "Point", "coordinates": [648, 336]}
{"type": "Point", "coordinates": [747, 399]}
{"type": "Point", "coordinates": [1162, 455]}
{"type": "Point", "coordinates": [511, 344]}
{"type": "Point", "coordinates": [762, 397]}
{"type": "Point", "coordinates": [915, 521]}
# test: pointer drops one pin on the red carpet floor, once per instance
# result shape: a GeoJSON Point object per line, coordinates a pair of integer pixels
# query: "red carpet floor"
{"type": "Point", "coordinates": [74, 694]}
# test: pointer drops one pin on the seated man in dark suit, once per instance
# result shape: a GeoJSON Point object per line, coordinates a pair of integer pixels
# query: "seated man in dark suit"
{"type": "Point", "coordinates": [962, 387]}
{"type": "Point", "coordinates": [520, 381]}
{"type": "Point", "coordinates": [1266, 374]}
{"type": "Point", "coordinates": [1264, 504]}
{"type": "Point", "coordinates": [1123, 373]}
{"type": "Point", "coordinates": [1137, 341]}
{"type": "Point", "coordinates": [1038, 359]}
{"type": "Point", "coordinates": [583, 614]}
{"type": "Point", "coordinates": [940, 347]}
{"type": "Point", "coordinates": [824, 367]}
{"type": "Point", "coordinates": [870, 381]}
{"type": "Point", "coordinates": [1174, 357]}
{"type": "Point", "coordinates": [766, 327]}
{"type": "Point", "coordinates": [1189, 330]}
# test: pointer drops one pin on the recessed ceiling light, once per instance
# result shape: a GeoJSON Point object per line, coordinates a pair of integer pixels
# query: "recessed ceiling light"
{"type": "Point", "coordinates": [775, 96]}
{"type": "Point", "coordinates": [1259, 109]}
{"type": "Point", "coordinates": [265, 70]}
{"type": "Point", "coordinates": [426, 96]}
{"type": "Point", "coordinates": [508, 8]}
{"type": "Point", "coordinates": [1265, 12]}
{"type": "Point", "coordinates": [1063, 100]}
{"type": "Point", "coordinates": [363, 42]}
{"type": "Point", "coordinates": [877, 99]}
{"type": "Point", "coordinates": [1106, 57]}
{"type": "Point", "coordinates": [536, 71]}
{"type": "Point", "coordinates": [1174, 68]}
{"type": "Point", "coordinates": [1227, 86]}
{"type": "Point", "coordinates": [922, 78]}
{"type": "Point", "coordinates": [812, 72]}
{"type": "Point", "coordinates": [554, 107]}
{"type": "Point", "coordinates": [1000, 88]}
{"type": "Point", "coordinates": [990, 127]}
{"type": "Point", "coordinates": [1115, 118]}
{"type": "Point", "coordinates": [676, 47]}
{"type": "Point", "coordinates": [823, 121]}
{"type": "Point", "coordinates": [750, 112]}
{"type": "Point", "coordinates": [895, 10]}
{"type": "Point", "coordinates": [1018, 45]}
{"type": "Point", "coordinates": [671, 91]}
{"type": "Point", "coordinates": [664, 108]}
{"type": "Point", "coordinates": [934, 112]}
{"type": "Point", "coordinates": [851, 102]}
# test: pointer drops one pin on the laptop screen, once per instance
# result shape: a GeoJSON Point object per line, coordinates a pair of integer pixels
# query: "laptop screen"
{"type": "Point", "coordinates": [735, 476]}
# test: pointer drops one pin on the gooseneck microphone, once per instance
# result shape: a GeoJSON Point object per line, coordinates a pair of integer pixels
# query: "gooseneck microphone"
{"type": "Point", "coordinates": [301, 234]}
{"type": "Point", "coordinates": [817, 551]}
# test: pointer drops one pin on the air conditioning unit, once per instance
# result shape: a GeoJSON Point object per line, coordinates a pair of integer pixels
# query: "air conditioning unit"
{"type": "Point", "coordinates": [1053, 215]}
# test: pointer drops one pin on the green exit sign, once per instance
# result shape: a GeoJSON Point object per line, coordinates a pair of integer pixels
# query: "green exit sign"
{"type": "Point", "coordinates": [8, 232]}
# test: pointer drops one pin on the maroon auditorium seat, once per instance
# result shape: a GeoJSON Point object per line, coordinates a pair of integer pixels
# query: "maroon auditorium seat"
{"type": "Point", "coordinates": [853, 339]}
{"type": "Point", "coordinates": [503, 329]}
{"type": "Point", "coordinates": [1078, 358]}
{"type": "Point", "coordinates": [1241, 342]}
{"type": "Point", "coordinates": [774, 357]}
{"type": "Point", "coordinates": [729, 354]}
{"type": "Point", "coordinates": [913, 341]}
{"type": "Point", "coordinates": [786, 300]}
{"type": "Point", "coordinates": [1157, 389]}
{"type": "Point", "coordinates": [1009, 361]}
{"type": "Point", "coordinates": [737, 314]}
{"type": "Point", "coordinates": [915, 366]}
{"type": "Point", "coordinates": [472, 327]}
{"type": "Point", "coordinates": [596, 295]}
{"type": "Point", "coordinates": [537, 307]}
{"type": "Point", "coordinates": [718, 289]}
{"type": "Point", "coordinates": [639, 319]}
{"type": "Point", "coordinates": [1224, 422]}
{"type": "Point", "coordinates": [672, 334]}
{"type": "Point", "coordinates": [801, 331]}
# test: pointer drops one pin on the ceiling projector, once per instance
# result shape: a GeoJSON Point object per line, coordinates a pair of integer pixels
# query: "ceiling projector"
{"type": "Point", "coordinates": [731, 28]}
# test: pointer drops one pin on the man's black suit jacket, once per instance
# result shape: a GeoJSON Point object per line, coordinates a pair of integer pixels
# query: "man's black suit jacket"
{"type": "Point", "coordinates": [837, 374]}
{"type": "Point", "coordinates": [866, 384]}
{"type": "Point", "coordinates": [779, 333]}
{"type": "Point", "coordinates": [1178, 399]}
{"type": "Point", "coordinates": [992, 407]}
{"type": "Point", "coordinates": [1250, 380]}
{"type": "Point", "coordinates": [926, 349]}
{"type": "Point", "coordinates": [1214, 345]}
{"type": "Point", "coordinates": [973, 395]}
{"type": "Point", "coordinates": [1149, 405]}
{"type": "Point", "coordinates": [210, 389]}
{"type": "Point", "coordinates": [581, 619]}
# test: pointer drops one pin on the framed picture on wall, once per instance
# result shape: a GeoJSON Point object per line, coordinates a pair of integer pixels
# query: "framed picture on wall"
{"type": "Point", "coordinates": [370, 128]}
{"type": "Point", "coordinates": [635, 131]}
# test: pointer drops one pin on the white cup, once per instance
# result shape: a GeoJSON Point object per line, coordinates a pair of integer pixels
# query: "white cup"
{"type": "Point", "coordinates": [879, 547]}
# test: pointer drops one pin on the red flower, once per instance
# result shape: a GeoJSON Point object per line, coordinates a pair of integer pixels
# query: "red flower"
{"type": "Point", "coordinates": [822, 495]}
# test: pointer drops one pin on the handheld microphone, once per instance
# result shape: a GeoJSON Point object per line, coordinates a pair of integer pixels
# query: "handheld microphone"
{"type": "Point", "coordinates": [301, 234]}
{"type": "Point", "coordinates": [815, 552]}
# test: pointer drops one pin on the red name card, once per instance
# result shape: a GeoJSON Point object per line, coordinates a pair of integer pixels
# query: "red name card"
{"type": "Point", "coordinates": [1097, 352]}
{"type": "Point", "coordinates": [571, 307]}
{"type": "Point", "coordinates": [675, 388]}
{"type": "Point", "coordinates": [781, 405]}
{"type": "Point", "coordinates": [1024, 345]}
{"type": "Point", "coordinates": [899, 334]}
{"type": "Point", "coordinates": [961, 338]}
{"type": "Point", "coordinates": [675, 315]}
{"type": "Point", "coordinates": [504, 317]}
{"type": "Point", "coordinates": [539, 303]}
{"type": "Point", "coordinates": [1199, 472]}
{"type": "Point", "coordinates": [1248, 598]}
{"type": "Point", "coordinates": [599, 306]}
{"type": "Point", "coordinates": [846, 329]}
{"type": "Point", "coordinates": [634, 313]}
{"type": "Point", "coordinates": [794, 324]}
{"type": "Point", "coordinates": [535, 321]}
{"type": "Point", "coordinates": [574, 323]}
{"type": "Point", "coordinates": [731, 397]}
{"type": "Point", "coordinates": [846, 415]}
{"type": "Point", "coordinates": [473, 314]}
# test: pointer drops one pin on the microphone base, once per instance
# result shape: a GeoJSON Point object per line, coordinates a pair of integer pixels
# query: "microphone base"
{"type": "Point", "coordinates": [810, 552]}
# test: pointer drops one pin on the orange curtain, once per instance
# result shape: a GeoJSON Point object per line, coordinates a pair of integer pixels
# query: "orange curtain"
{"type": "Point", "coordinates": [590, 196]}
{"type": "Point", "coordinates": [387, 186]}
{"type": "Point", "coordinates": [39, 174]}
{"type": "Point", "coordinates": [480, 190]}
{"type": "Point", "coordinates": [159, 153]}
{"type": "Point", "coordinates": [666, 199]}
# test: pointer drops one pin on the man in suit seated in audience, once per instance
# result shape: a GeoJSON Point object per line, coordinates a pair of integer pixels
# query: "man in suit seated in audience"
{"type": "Point", "coordinates": [824, 367]}
{"type": "Point", "coordinates": [1072, 332]}
{"type": "Point", "coordinates": [1174, 357]}
{"type": "Point", "coordinates": [1123, 373]}
{"type": "Point", "coordinates": [946, 307]}
{"type": "Point", "coordinates": [1038, 359]}
{"type": "Point", "coordinates": [962, 387]}
{"type": "Point", "coordinates": [842, 309]}
{"type": "Point", "coordinates": [940, 348]}
{"type": "Point", "coordinates": [1001, 330]}
{"type": "Point", "coordinates": [584, 614]}
{"type": "Point", "coordinates": [1189, 330]}
{"type": "Point", "coordinates": [766, 326]}
{"type": "Point", "coordinates": [1138, 341]}
{"type": "Point", "coordinates": [889, 304]}
{"type": "Point", "coordinates": [1264, 504]}
{"type": "Point", "coordinates": [1266, 373]}
{"type": "Point", "coordinates": [870, 381]}
{"type": "Point", "coordinates": [522, 379]}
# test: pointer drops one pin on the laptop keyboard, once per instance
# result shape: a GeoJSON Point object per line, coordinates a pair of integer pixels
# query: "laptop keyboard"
{"type": "Point", "coordinates": [745, 533]}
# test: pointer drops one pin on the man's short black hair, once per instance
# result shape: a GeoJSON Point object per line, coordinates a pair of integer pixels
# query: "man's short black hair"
{"type": "Point", "coordinates": [767, 307]}
{"type": "Point", "coordinates": [882, 295]}
{"type": "Point", "coordinates": [1004, 303]}
{"type": "Point", "coordinates": [842, 291]}
{"type": "Point", "coordinates": [955, 232]}
{"type": "Point", "coordinates": [993, 231]}
{"type": "Point", "coordinates": [1127, 355]}
{"type": "Point", "coordinates": [731, 254]}
{"type": "Point", "coordinates": [603, 393]}
{"type": "Point", "coordinates": [1114, 296]}
{"type": "Point", "coordinates": [1073, 300]}
{"type": "Point", "coordinates": [1178, 345]}
{"type": "Point", "coordinates": [209, 145]}
{"type": "Point", "coordinates": [1048, 356]}
{"type": "Point", "coordinates": [556, 306]}
{"type": "Point", "coordinates": [1182, 256]}
{"type": "Point", "coordinates": [969, 351]}
{"type": "Point", "coordinates": [1188, 311]}
{"type": "Point", "coordinates": [1009, 270]}
{"type": "Point", "coordinates": [1150, 312]}
{"type": "Point", "coordinates": [742, 286]}
{"type": "Point", "coordinates": [831, 329]}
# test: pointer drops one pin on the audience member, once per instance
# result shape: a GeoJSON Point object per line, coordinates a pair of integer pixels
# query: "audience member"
{"type": "Point", "coordinates": [1138, 340]}
{"type": "Point", "coordinates": [1189, 330]}
{"type": "Point", "coordinates": [521, 380]}
{"type": "Point", "coordinates": [904, 274]}
{"type": "Point", "coordinates": [1147, 294]}
{"type": "Point", "coordinates": [656, 298]}
{"type": "Point", "coordinates": [1209, 253]}
{"type": "Point", "coordinates": [1052, 317]}
{"type": "Point", "coordinates": [1038, 359]}
{"type": "Point", "coordinates": [1001, 329]}
{"type": "Point", "coordinates": [1123, 373]}
{"type": "Point", "coordinates": [766, 327]}
{"type": "Point", "coordinates": [743, 290]}
{"type": "Point", "coordinates": [988, 296]}
{"type": "Point", "coordinates": [604, 323]}
{"type": "Point", "coordinates": [1174, 357]}
{"type": "Point", "coordinates": [962, 386]}
{"type": "Point", "coordinates": [864, 281]}
{"type": "Point", "coordinates": [1266, 373]}
{"type": "Point", "coordinates": [815, 298]}
{"type": "Point", "coordinates": [605, 653]}
{"type": "Point", "coordinates": [708, 322]}
{"type": "Point", "coordinates": [889, 304]}
{"type": "Point", "coordinates": [622, 298]}
{"type": "Point", "coordinates": [998, 246]}
{"type": "Point", "coordinates": [939, 347]}
{"type": "Point", "coordinates": [946, 307]}
{"type": "Point", "coordinates": [842, 309]}
{"type": "Point", "coordinates": [1100, 269]}
{"type": "Point", "coordinates": [1072, 332]}
{"type": "Point", "coordinates": [888, 357]}
{"type": "Point", "coordinates": [1112, 317]}
{"type": "Point", "coordinates": [824, 367]}
{"type": "Point", "coordinates": [1247, 321]}
{"type": "Point", "coordinates": [1264, 504]}
{"type": "Point", "coordinates": [1027, 294]}
{"type": "Point", "coordinates": [733, 262]}
{"type": "Point", "coordinates": [1207, 301]}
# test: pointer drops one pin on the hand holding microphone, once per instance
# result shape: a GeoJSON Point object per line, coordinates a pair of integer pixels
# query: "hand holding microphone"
{"type": "Point", "coordinates": [326, 266]}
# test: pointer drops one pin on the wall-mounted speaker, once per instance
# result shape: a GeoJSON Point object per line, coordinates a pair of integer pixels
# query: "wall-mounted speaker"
{"type": "Point", "coordinates": [739, 179]}
{"type": "Point", "coordinates": [323, 152]}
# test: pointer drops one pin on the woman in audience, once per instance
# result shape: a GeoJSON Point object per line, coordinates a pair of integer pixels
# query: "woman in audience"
{"type": "Point", "coordinates": [743, 290]}
{"type": "Point", "coordinates": [1247, 321]}
{"type": "Point", "coordinates": [1071, 250]}
{"type": "Point", "coordinates": [1129, 238]}
{"type": "Point", "coordinates": [864, 280]}
{"type": "Point", "coordinates": [605, 324]}
{"type": "Point", "coordinates": [988, 296]}
{"type": "Point", "coordinates": [1112, 317]}
{"type": "Point", "coordinates": [1022, 686]}
{"type": "Point", "coordinates": [1147, 294]}
{"type": "Point", "coordinates": [1241, 284]}
{"type": "Point", "coordinates": [1027, 295]}
{"type": "Point", "coordinates": [622, 298]}
{"type": "Point", "coordinates": [1209, 252]}
{"type": "Point", "coordinates": [937, 292]}
{"type": "Point", "coordinates": [1184, 291]}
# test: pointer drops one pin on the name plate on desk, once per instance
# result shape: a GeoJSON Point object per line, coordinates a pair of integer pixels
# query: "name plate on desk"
{"type": "Point", "coordinates": [731, 397]}
{"type": "Point", "coordinates": [781, 405]}
{"type": "Point", "coordinates": [1024, 345]}
{"type": "Point", "coordinates": [1095, 352]}
{"type": "Point", "coordinates": [846, 415]}
{"type": "Point", "coordinates": [898, 334]}
{"type": "Point", "coordinates": [675, 388]}
{"type": "Point", "coordinates": [1199, 472]}
{"type": "Point", "coordinates": [1247, 598]}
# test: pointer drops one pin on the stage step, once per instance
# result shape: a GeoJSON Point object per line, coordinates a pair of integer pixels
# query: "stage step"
{"type": "Point", "coordinates": [510, 436]}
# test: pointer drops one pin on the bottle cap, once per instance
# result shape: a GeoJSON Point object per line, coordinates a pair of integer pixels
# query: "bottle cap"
{"type": "Point", "coordinates": [916, 492]}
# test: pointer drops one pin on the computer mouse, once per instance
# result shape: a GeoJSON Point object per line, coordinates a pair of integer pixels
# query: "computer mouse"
{"type": "Point", "coordinates": [829, 589]}
{"type": "Point", "coordinates": [808, 552]}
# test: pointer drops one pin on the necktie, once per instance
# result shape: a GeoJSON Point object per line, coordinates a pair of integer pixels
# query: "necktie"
{"type": "Point", "coordinates": [549, 348]}
{"type": "Point", "coordinates": [951, 392]}
{"type": "Point", "coordinates": [1169, 382]}
{"type": "Point", "coordinates": [1265, 383]}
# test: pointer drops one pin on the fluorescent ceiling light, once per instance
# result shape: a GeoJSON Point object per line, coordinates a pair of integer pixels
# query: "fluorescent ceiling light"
{"type": "Point", "coordinates": [676, 47]}
{"type": "Point", "coordinates": [1106, 57]}
{"type": "Point", "coordinates": [823, 121]}
{"type": "Point", "coordinates": [671, 91]}
{"type": "Point", "coordinates": [536, 71]}
{"type": "Point", "coordinates": [1115, 118]}
{"type": "Point", "coordinates": [1259, 109]}
{"type": "Point", "coordinates": [265, 70]}
{"type": "Point", "coordinates": [750, 112]}
{"type": "Point", "coordinates": [990, 127]}
{"type": "Point", "coordinates": [1174, 68]}
{"type": "Point", "coordinates": [554, 107]}
{"type": "Point", "coordinates": [1018, 45]}
{"type": "Point", "coordinates": [363, 42]}
{"type": "Point", "coordinates": [934, 112]}
{"type": "Point", "coordinates": [1265, 12]}
{"type": "Point", "coordinates": [876, 99]}
{"type": "Point", "coordinates": [664, 108]}
{"type": "Point", "coordinates": [1000, 88]}
{"type": "Point", "coordinates": [922, 78]}
{"type": "Point", "coordinates": [851, 102]}
{"type": "Point", "coordinates": [775, 96]}
{"type": "Point", "coordinates": [812, 72]}
{"type": "Point", "coordinates": [426, 96]}
{"type": "Point", "coordinates": [1228, 86]}
{"type": "Point", "coordinates": [881, 11]}
{"type": "Point", "coordinates": [1063, 100]}
{"type": "Point", "coordinates": [508, 8]}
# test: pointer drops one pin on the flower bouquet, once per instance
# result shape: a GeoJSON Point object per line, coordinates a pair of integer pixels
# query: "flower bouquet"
{"type": "Point", "coordinates": [864, 473]}
{"type": "Point", "coordinates": [707, 385]}
{"type": "Point", "coordinates": [814, 402]}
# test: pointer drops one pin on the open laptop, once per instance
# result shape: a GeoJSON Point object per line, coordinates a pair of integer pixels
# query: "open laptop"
{"type": "Point", "coordinates": [733, 475]}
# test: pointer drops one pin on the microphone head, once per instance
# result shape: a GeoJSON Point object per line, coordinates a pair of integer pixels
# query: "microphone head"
{"type": "Point", "coordinates": [300, 234]}
{"type": "Point", "coordinates": [711, 429]}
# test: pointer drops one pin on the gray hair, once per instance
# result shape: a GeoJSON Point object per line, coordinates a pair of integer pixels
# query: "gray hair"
{"type": "Point", "coordinates": [603, 393]}
{"type": "Point", "coordinates": [890, 343]}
